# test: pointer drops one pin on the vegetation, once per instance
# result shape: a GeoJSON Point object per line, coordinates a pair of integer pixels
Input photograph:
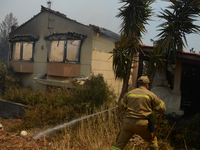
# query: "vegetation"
{"type": "Point", "coordinates": [58, 105]}
{"type": "Point", "coordinates": [7, 77]}
{"type": "Point", "coordinates": [5, 28]}
{"type": "Point", "coordinates": [178, 21]}
{"type": "Point", "coordinates": [135, 15]}
{"type": "Point", "coordinates": [183, 131]}
{"type": "Point", "coordinates": [187, 131]}
{"type": "Point", "coordinates": [61, 105]}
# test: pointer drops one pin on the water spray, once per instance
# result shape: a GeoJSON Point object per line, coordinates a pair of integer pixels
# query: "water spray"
{"type": "Point", "coordinates": [50, 130]}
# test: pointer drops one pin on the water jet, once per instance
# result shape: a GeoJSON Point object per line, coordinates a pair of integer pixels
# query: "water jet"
{"type": "Point", "coordinates": [42, 134]}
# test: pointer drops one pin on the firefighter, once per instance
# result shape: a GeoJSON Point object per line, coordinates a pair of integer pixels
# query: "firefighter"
{"type": "Point", "coordinates": [138, 105]}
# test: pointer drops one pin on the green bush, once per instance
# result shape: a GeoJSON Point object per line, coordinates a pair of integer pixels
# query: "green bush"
{"type": "Point", "coordinates": [94, 93]}
{"type": "Point", "coordinates": [24, 96]}
{"type": "Point", "coordinates": [58, 105]}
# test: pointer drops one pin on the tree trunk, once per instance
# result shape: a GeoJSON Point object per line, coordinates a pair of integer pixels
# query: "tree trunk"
{"type": "Point", "coordinates": [126, 78]}
{"type": "Point", "coordinates": [124, 87]}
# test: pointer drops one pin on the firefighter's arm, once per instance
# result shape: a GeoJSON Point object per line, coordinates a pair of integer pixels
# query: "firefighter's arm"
{"type": "Point", "coordinates": [159, 105]}
{"type": "Point", "coordinates": [122, 103]}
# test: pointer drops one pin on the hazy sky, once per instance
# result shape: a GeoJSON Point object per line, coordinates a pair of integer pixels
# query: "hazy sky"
{"type": "Point", "coordinates": [97, 12]}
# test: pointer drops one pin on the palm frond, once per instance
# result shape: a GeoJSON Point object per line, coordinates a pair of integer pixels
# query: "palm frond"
{"type": "Point", "coordinates": [121, 53]}
{"type": "Point", "coordinates": [179, 21]}
{"type": "Point", "coordinates": [135, 15]}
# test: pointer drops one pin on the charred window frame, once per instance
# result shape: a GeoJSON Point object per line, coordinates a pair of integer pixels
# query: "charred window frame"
{"type": "Point", "coordinates": [22, 47]}
{"type": "Point", "coordinates": [22, 51]}
{"type": "Point", "coordinates": [64, 47]}
{"type": "Point", "coordinates": [65, 51]}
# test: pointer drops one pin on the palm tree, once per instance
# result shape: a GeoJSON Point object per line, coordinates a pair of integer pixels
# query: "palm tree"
{"type": "Point", "coordinates": [123, 55]}
{"type": "Point", "coordinates": [134, 14]}
{"type": "Point", "coordinates": [157, 61]}
{"type": "Point", "coordinates": [178, 23]}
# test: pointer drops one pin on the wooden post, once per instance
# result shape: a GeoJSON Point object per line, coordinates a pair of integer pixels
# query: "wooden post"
{"type": "Point", "coordinates": [177, 78]}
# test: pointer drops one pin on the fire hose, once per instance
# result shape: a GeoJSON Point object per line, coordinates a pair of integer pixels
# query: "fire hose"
{"type": "Point", "coordinates": [157, 131]}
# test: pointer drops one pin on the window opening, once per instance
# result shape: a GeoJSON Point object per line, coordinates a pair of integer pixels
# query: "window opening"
{"type": "Point", "coordinates": [27, 51]}
{"type": "Point", "coordinates": [16, 50]}
{"type": "Point", "coordinates": [64, 51]}
{"type": "Point", "coordinates": [57, 51]}
{"type": "Point", "coordinates": [73, 50]}
{"type": "Point", "coordinates": [22, 51]}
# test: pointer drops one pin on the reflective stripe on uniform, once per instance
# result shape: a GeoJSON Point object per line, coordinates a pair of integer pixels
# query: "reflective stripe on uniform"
{"type": "Point", "coordinates": [154, 144]}
{"type": "Point", "coordinates": [138, 95]}
{"type": "Point", "coordinates": [159, 106]}
{"type": "Point", "coordinates": [122, 102]}
{"type": "Point", "coordinates": [114, 148]}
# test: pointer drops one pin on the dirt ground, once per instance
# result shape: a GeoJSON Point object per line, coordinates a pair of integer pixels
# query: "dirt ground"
{"type": "Point", "coordinates": [11, 140]}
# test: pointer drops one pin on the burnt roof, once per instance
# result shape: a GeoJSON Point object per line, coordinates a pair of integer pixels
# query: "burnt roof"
{"type": "Point", "coordinates": [186, 57]}
{"type": "Point", "coordinates": [93, 27]}
{"type": "Point", "coordinates": [189, 57]}
{"type": "Point", "coordinates": [48, 10]}
{"type": "Point", "coordinates": [55, 12]}
{"type": "Point", "coordinates": [65, 36]}
{"type": "Point", "coordinates": [23, 37]}
{"type": "Point", "coordinates": [104, 32]}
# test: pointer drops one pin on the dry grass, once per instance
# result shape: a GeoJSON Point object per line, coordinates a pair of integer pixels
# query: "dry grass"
{"type": "Point", "coordinates": [98, 132]}
{"type": "Point", "coordinates": [61, 105]}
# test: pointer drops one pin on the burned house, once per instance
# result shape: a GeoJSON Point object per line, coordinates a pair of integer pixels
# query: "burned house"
{"type": "Point", "coordinates": [177, 86]}
{"type": "Point", "coordinates": [51, 49]}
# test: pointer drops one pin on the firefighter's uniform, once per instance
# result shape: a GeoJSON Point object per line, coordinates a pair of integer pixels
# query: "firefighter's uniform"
{"type": "Point", "coordinates": [138, 105]}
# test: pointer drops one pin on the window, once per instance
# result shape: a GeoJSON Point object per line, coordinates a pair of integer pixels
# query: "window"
{"type": "Point", "coordinates": [64, 51]}
{"type": "Point", "coordinates": [57, 51]}
{"type": "Point", "coordinates": [27, 51]}
{"type": "Point", "coordinates": [64, 47]}
{"type": "Point", "coordinates": [16, 51]}
{"type": "Point", "coordinates": [22, 51]}
{"type": "Point", "coordinates": [73, 50]}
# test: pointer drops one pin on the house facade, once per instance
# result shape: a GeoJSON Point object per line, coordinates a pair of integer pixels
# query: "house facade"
{"type": "Point", "coordinates": [51, 50]}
